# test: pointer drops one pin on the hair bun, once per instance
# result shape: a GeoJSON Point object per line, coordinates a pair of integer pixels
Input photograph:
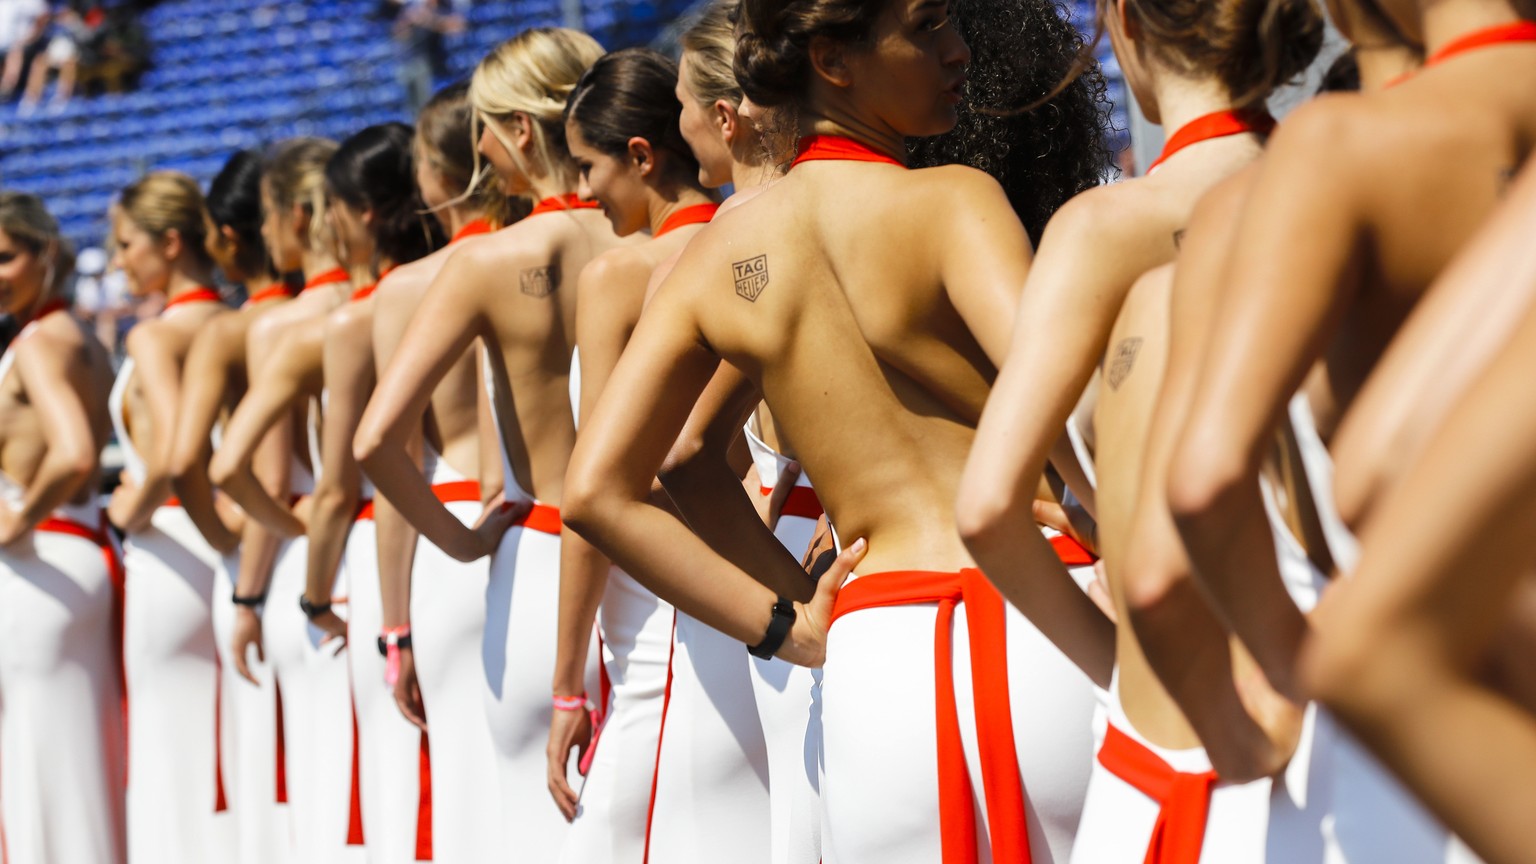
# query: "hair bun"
{"type": "Point", "coordinates": [771, 74]}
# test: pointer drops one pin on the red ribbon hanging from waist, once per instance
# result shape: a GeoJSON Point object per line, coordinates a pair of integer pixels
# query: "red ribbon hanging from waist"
{"type": "Point", "coordinates": [1184, 798]}
{"type": "Point", "coordinates": [987, 625]}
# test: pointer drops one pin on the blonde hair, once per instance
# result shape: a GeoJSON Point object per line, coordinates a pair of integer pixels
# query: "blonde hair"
{"type": "Point", "coordinates": [711, 47]}
{"type": "Point", "coordinates": [295, 174]}
{"type": "Point", "coordinates": [163, 201]}
{"type": "Point", "coordinates": [29, 223]}
{"type": "Point", "coordinates": [533, 72]}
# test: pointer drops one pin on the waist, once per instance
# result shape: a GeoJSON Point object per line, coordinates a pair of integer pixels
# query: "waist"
{"type": "Point", "coordinates": [455, 490]}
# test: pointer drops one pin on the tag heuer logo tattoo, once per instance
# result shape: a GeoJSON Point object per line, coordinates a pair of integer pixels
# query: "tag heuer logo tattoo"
{"type": "Point", "coordinates": [538, 281]}
{"type": "Point", "coordinates": [751, 276]}
{"type": "Point", "coordinates": [1125, 358]}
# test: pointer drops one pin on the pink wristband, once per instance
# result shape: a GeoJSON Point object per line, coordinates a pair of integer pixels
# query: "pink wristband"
{"type": "Point", "coordinates": [391, 637]}
{"type": "Point", "coordinates": [570, 703]}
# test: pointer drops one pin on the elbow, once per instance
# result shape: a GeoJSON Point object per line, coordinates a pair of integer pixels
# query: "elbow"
{"type": "Point", "coordinates": [1153, 590]}
{"type": "Point", "coordinates": [584, 502]}
{"type": "Point", "coordinates": [222, 469]}
{"type": "Point", "coordinates": [685, 457]}
{"type": "Point", "coordinates": [331, 500]}
{"type": "Point", "coordinates": [182, 465]}
{"type": "Point", "coordinates": [1207, 476]}
{"type": "Point", "coordinates": [1356, 487]}
{"type": "Point", "coordinates": [78, 468]}
{"type": "Point", "coordinates": [985, 512]}
{"type": "Point", "coordinates": [367, 444]}
{"type": "Point", "coordinates": [1341, 669]}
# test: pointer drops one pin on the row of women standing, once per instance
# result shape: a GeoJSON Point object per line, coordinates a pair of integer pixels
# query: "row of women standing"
{"type": "Point", "coordinates": [517, 642]}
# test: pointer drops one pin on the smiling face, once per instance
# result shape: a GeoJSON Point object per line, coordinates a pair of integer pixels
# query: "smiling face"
{"type": "Point", "coordinates": [910, 72]}
{"type": "Point", "coordinates": [618, 185]}
{"type": "Point", "coordinates": [23, 274]}
{"type": "Point", "coordinates": [141, 256]}
{"type": "Point", "coordinates": [703, 129]}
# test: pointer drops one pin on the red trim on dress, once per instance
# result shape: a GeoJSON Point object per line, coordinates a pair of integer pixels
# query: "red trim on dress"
{"type": "Point", "coordinates": [802, 502]}
{"type": "Point", "coordinates": [1488, 37]}
{"type": "Point", "coordinates": [692, 215]}
{"type": "Point", "coordinates": [200, 294]}
{"type": "Point", "coordinates": [556, 203]}
{"type": "Point", "coordinates": [271, 292]}
{"type": "Point", "coordinates": [1217, 124]}
{"type": "Point", "coordinates": [478, 226]}
{"type": "Point", "coordinates": [1184, 799]}
{"type": "Point", "coordinates": [819, 148]}
{"type": "Point", "coordinates": [329, 277]}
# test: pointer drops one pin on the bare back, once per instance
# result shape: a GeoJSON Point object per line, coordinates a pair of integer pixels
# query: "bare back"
{"type": "Point", "coordinates": [55, 342]}
{"type": "Point", "coordinates": [839, 299]}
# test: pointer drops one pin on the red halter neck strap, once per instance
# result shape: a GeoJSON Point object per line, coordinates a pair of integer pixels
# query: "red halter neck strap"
{"type": "Point", "coordinates": [200, 294]}
{"type": "Point", "coordinates": [366, 291]}
{"type": "Point", "coordinates": [569, 201]}
{"type": "Point", "coordinates": [479, 226]}
{"type": "Point", "coordinates": [817, 148]}
{"type": "Point", "coordinates": [271, 292]}
{"type": "Point", "coordinates": [329, 277]}
{"type": "Point", "coordinates": [1217, 124]}
{"type": "Point", "coordinates": [1503, 34]}
{"type": "Point", "coordinates": [53, 305]}
{"type": "Point", "coordinates": [688, 216]}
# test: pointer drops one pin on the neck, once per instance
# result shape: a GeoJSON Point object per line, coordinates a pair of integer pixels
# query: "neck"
{"type": "Point", "coordinates": [454, 218]}
{"type": "Point", "coordinates": [184, 279]}
{"type": "Point", "coordinates": [751, 174]}
{"type": "Point", "coordinates": [1181, 100]}
{"type": "Point", "coordinates": [1447, 20]}
{"type": "Point", "coordinates": [665, 202]}
{"type": "Point", "coordinates": [29, 314]}
{"type": "Point", "coordinates": [312, 264]}
{"type": "Point", "coordinates": [258, 282]}
{"type": "Point", "coordinates": [1380, 65]}
{"type": "Point", "coordinates": [845, 124]}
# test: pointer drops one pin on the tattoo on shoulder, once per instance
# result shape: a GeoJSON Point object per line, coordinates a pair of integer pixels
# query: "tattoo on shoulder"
{"type": "Point", "coordinates": [1178, 239]}
{"type": "Point", "coordinates": [539, 281]}
{"type": "Point", "coordinates": [751, 277]}
{"type": "Point", "coordinates": [1124, 359]}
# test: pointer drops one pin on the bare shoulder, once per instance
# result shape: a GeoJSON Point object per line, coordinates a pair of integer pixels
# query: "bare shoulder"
{"type": "Point", "coordinates": [1104, 216]}
{"type": "Point", "coordinates": [622, 266]}
{"type": "Point", "coordinates": [349, 320]}
{"type": "Point", "coordinates": [148, 336]}
{"type": "Point", "coordinates": [529, 243]}
{"type": "Point", "coordinates": [58, 341]}
{"type": "Point", "coordinates": [959, 185]}
{"type": "Point", "coordinates": [406, 283]}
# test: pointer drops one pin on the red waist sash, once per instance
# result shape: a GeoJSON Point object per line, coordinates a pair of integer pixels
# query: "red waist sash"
{"type": "Point", "coordinates": [1184, 798]}
{"type": "Point", "coordinates": [1003, 790]}
{"type": "Point", "coordinates": [542, 518]}
{"type": "Point", "coordinates": [802, 502]}
{"type": "Point", "coordinates": [455, 490]}
{"type": "Point", "coordinates": [1071, 552]}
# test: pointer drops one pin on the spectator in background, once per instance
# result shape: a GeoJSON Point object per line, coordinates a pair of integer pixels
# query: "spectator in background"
{"type": "Point", "coordinates": [101, 298]}
{"type": "Point", "coordinates": [419, 28]}
{"type": "Point", "coordinates": [65, 29]}
{"type": "Point", "coordinates": [22, 26]}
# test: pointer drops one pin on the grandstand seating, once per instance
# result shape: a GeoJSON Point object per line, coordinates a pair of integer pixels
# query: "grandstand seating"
{"type": "Point", "coordinates": [229, 74]}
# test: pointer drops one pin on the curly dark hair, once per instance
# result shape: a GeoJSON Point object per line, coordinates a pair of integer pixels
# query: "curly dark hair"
{"type": "Point", "coordinates": [1041, 154]}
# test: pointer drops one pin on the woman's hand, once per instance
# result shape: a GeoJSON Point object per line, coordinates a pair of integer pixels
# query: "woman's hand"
{"type": "Point", "coordinates": [408, 690]}
{"type": "Point", "coordinates": [568, 730]}
{"type": "Point", "coordinates": [335, 628]}
{"type": "Point", "coordinates": [498, 516]}
{"type": "Point", "coordinates": [246, 634]}
{"type": "Point", "coordinates": [806, 644]}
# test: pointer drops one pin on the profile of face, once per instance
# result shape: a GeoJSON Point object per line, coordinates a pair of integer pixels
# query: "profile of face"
{"type": "Point", "coordinates": [429, 181]}
{"type": "Point", "coordinates": [493, 143]}
{"type": "Point", "coordinates": [143, 257]}
{"type": "Point", "coordinates": [910, 72]}
{"type": "Point", "coordinates": [617, 185]}
{"type": "Point", "coordinates": [223, 246]}
{"type": "Point", "coordinates": [349, 227]}
{"type": "Point", "coordinates": [281, 231]}
{"type": "Point", "coordinates": [708, 129]}
{"type": "Point", "coordinates": [1122, 38]}
{"type": "Point", "coordinates": [23, 274]}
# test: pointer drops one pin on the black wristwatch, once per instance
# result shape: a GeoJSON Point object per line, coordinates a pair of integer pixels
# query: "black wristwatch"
{"type": "Point", "coordinates": [400, 642]}
{"type": "Point", "coordinates": [778, 628]}
{"type": "Point", "coordinates": [250, 602]}
{"type": "Point", "coordinates": [313, 610]}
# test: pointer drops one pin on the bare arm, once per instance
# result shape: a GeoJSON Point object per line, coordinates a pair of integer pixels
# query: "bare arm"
{"type": "Point", "coordinates": [1401, 649]}
{"type": "Point", "coordinates": [1454, 331]}
{"type": "Point", "coordinates": [1183, 641]}
{"type": "Point", "coordinates": [1017, 431]}
{"type": "Point", "coordinates": [447, 322]}
{"type": "Point", "coordinates": [159, 373]}
{"type": "Point", "coordinates": [293, 370]}
{"type": "Point", "coordinates": [54, 375]}
{"type": "Point", "coordinates": [1291, 273]}
{"type": "Point", "coordinates": [608, 488]}
{"type": "Point", "coordinates": [348, 364]}
{"type": "Point", "coordinates": [216, 354]}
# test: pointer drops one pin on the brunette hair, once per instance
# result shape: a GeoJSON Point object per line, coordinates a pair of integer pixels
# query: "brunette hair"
{"type": "Point", "coordinates": [29, 223]}
{"type": "Point", "coordinates": [632, 93]}
{"type": "Point", "coordinates": [165, 201]}
{"type": "Point", "coordinates": [234, 201]}
{"type": "Point", "coordinates": [773, 42]}
{"type": "Point", "coordinates": [1026, 53]}
{"type": "Point", "coordinates": [374, 170]}
{"type": "Point", "coordinates": [1251, 46]}
{"type": "Point", "coordinates": [533, 73]}
{"type": "Point", "coordinates": [294, 173]}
